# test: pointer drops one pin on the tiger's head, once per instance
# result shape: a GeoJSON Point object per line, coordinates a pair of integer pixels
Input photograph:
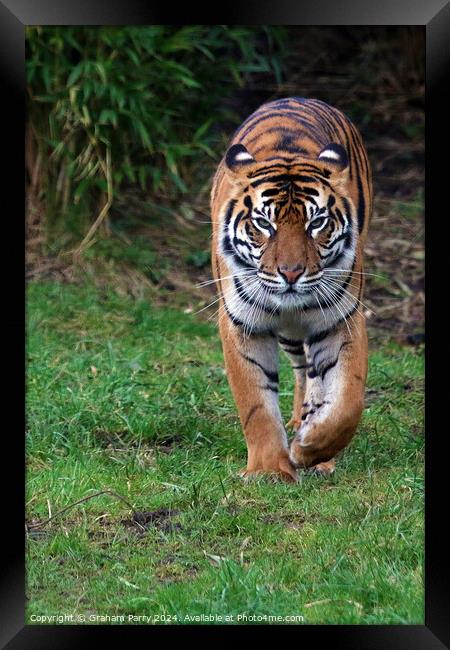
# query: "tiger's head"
{"type": "Point", "coordinates": [289, 220]}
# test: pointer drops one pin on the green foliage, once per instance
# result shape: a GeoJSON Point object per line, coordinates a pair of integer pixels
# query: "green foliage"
{"type": "Point", "coordinates": [135, 106]}
{"type": "Point", "coordinates": [199, 259]}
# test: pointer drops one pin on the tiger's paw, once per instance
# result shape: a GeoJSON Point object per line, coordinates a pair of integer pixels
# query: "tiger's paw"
{"type": "Point", "coordinates": [271, 477]}
{"type": "Point", "coordinates": [324, 469]}
{"type": "Point", "coordinates": [275, 470]}
{"type": "Point", "coordinates": [311, 458]}
{"type": "Point", "coordinates": [297, 454]}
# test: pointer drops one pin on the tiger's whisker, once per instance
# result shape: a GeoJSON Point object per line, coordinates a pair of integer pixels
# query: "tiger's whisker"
{"type": "Point", "coordinates": [225, 277]}
{"type": "Point", "coordinates": [334, 296]}
{"type": "Point", "coordinates": [339, 287]}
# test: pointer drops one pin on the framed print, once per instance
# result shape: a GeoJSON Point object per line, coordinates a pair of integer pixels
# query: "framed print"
{"type": "Point", "coordinates": [225, 328]}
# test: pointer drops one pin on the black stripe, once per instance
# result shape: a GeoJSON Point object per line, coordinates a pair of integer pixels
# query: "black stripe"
{"type": "Point", "coordinates": [274, 389]}
{"type": "Point", "coordinates": [296, 352]}
{"type": "Point", "coordinates": [242, 242]}
{"type": "Point", "coordinates": [316, 338]}
{"type": "Point", "coordinates": [237, 221]}
{"type": "Point", "coordinates": [290, 341]}
{"type": "Point", "coordinates": [226, 244]}
{"type": "Point", "coordinates": [268, 169]}
{"type": "Point", "coordinates": [340, 256]}
{"type": "Point", "coordinates": [316, 170]}
{"type": "Point", "coordinates": [239, 323]}
{"type": "Point", "coordinates": [292, 347]}
{"type": "Point", "coordinates": [340, 217]}
{"type": "Point", "coordinates": [270, 192]}
{"type": "Point", "coordinates": [236, 321]}
{"type": "Point", "coordinates": [288, 160]}
{"type": "Point", "coordinates": [309, 191]}
{"type": "Point", "coordinates": [272, 179]}
{"type": "Point", "coordinates": [226, 241]}
{"type": "Point", "coordinates": [257, 118]}
{"type": "Point", "coordinates": [316, 354]}
{"type": "Point", "coordinates": [251, 413]}
{"type": "Point", "coordinates": [249, 300]}
{"type": "Point", "coordinates": [344, 235]}
{"type": "Point", "coordinates": [361, 205]}
{"type": "Point", "coordinates": [323, 371]}
{"type": "Point", "coordinates": [295, 115]}
{"type": "Point", "coordinates": [284, 101]}
{"type": "Point", "coordinates": [271, 376]}
{"type": "Point", "coordinates": [347, 208]}
{"type": "Point", "coordinates": [291, 148]}
{"type": "Point", "coordinates": [229, 212]}
{"type": "Point", "coordinates": [288, 178]}
{"type": "Point", "coordinates": [316, 106]}
{"type": "Point", "coordinates": [361, 148]}
{"type": "Point", "coordinates": [280, 130]}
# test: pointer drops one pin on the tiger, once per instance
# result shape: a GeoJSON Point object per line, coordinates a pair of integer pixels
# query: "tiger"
{"type": "Point", "coordinates": [291, 202]}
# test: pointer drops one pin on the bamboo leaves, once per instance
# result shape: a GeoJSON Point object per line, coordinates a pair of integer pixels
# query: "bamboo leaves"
{"type": "Point", "coordinates": [146, 99]}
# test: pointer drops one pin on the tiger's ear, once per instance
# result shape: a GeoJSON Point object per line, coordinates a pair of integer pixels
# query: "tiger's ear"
{"type": "Point", "coordinates": [239, 162]}
{"type": "Point", "coordinates": [335, 155]}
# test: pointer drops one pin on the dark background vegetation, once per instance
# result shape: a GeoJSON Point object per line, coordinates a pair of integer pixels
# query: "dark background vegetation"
{"type": "Point", "coordinates": [126, 126]}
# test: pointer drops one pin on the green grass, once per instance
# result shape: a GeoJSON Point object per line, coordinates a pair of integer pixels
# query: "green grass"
{"type": "Point", "coordinates": [125, 396]}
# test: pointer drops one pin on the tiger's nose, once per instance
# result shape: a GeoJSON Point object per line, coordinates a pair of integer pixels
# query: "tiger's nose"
{"type": "Point", "coordinates": [291, 274]}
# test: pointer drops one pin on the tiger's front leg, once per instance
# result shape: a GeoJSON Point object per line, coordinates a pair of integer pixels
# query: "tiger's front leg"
{"type": "Point", "coordinates": [252, 371]}
{"type": "Point", "coordinates": [334, 398]}
{"type": "Point", "coordinates": [294, 349]}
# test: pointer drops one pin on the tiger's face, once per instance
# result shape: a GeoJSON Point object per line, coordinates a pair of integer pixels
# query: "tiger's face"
{"type": "Point", "coordinates": [290, 222]}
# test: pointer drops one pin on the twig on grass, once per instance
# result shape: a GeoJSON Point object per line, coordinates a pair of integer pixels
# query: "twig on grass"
{"type": "Point", "coordinates": [40, 524]}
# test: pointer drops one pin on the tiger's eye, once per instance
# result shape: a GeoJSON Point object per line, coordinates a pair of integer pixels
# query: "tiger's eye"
{"type": "Point", "coordinates": [263, 223]}
{"type": "Point", "coordinates": [316, 223]}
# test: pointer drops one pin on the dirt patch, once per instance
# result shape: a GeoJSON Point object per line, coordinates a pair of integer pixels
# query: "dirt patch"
{"type": "Point", "coordinates": [292, 521]}
{"type": "Point", "coordinates": [142, 521]}
{"type": "Point", "coordinates": [112, 439]}
{"type": "Point", "coordinates": [122, 440]}
{"type": "Point", "coordinates": [170, 570]}
{"type": "Point", "coordinates": [395, 293]}
{"type": "Point", "coordinates": [167, 445]}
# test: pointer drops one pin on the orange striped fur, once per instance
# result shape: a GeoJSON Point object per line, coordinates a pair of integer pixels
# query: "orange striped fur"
{"type": "Point", "coordinates": [291, 204]}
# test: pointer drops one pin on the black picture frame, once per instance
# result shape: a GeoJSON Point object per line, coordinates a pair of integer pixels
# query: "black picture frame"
{"type": "Point", "coordinates": [434, 15]}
